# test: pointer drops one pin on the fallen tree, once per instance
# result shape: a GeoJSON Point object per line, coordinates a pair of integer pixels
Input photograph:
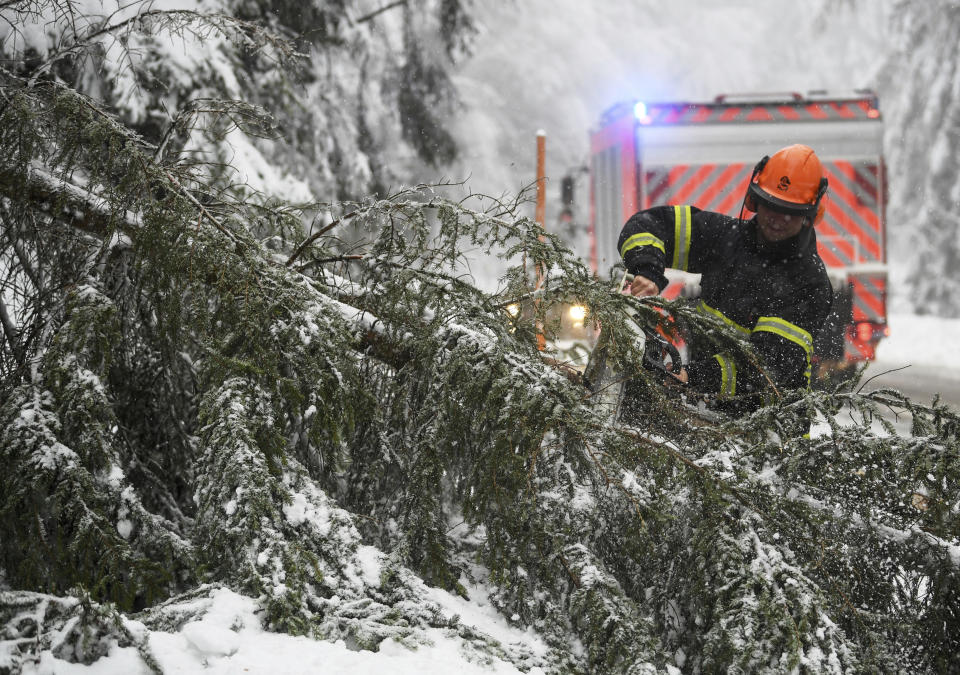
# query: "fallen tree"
{"type": "Point", "coordinates": [197, 390]}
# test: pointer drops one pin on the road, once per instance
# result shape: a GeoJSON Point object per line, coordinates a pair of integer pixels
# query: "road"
{"type": "Point", "coordinates": [918, 383]}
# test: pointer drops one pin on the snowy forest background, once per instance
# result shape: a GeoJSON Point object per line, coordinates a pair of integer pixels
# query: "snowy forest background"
{"type": "Point", "coordinates": [460, 96]}
{"type": "Point", "coordinates": [241, 351]}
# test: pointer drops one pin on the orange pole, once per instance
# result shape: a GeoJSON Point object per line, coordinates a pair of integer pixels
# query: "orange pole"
{"type": "Point", "coordinates": [541, 215]}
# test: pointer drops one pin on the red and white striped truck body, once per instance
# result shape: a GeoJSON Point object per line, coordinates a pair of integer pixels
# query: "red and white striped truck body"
{"type": "Point", "coordinates": [704, 154]}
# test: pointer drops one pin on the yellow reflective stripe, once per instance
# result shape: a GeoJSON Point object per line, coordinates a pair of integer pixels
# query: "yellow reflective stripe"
{"type": "Point", "coordinates": [785, 329]}
{"type": "Point", "coordinates": [728, 375]}
{"type": "Point", "coordinates": [791, 332]}
{"type": "Point", "coordinates": [682, 217]}
{"type": "Point", "coordinates": [641, 239]}
{"type": "Point", "coordinates": [707, 309]}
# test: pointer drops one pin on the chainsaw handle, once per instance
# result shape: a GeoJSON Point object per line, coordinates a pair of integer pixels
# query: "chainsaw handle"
{"type": "Point", "coordinates": [654, 353]}
{"type": "Point", "coordinates": [676, 365]}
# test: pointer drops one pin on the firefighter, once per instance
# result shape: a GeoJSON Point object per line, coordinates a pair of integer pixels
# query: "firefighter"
{"type": "Point", "coordinates": [763, 276]}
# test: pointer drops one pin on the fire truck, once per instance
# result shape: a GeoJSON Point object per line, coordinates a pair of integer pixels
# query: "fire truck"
{"type": "Point", "coordinates": [703, 154]}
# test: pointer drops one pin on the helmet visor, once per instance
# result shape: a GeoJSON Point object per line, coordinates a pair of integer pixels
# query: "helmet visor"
{"type": "Point", "coordinates": [780, 205]}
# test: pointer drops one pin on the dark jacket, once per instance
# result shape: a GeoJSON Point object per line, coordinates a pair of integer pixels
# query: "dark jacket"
{"type": "Point", "coordinates": [777, 294]}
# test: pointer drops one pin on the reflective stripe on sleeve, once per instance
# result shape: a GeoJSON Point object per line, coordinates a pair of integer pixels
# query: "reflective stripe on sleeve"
{"type": "Point", "coordinates": [728, 375]}
{"type": "Point", "coordinates": [682, 220]}
{"type": "Point", "coordinates": [707, 309]}
{"type": "Point", "coordinates": [791, 332]}
{"type": "Point", "coordinates": [642, 239]}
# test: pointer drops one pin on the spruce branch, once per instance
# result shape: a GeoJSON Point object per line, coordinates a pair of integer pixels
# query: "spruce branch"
{"type": "Point", "coordinates": [203, 210]}
{"type": "Point", "coordinates": [319, 233]}
{"type": "Point", "coordinates": [375, 13]}
{"type": "Point", "coordinates": [79, 207]}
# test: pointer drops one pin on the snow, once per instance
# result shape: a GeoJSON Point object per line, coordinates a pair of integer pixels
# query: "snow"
{"type": "Point", "coordinates": [124, 528]}
{"type": "Point", "coordinates": [371, 564]}
{"type": "Point", "coordinates": [921, 341]}
{"type": "Point", "coordinates": [210, 639]}
{"type": "Point", "coordinates": [115, 476]}
{"type": "Point", "coordinates": [478, 612]}
{"type": "Point", "coordinates": [57, 455]}
{"type": "Point", "coordinates": [122, 660]}
{"type": "Point", "coordinates": [228, 640]}
{"type": "Point", "coordinates": [296, 511]}
{"type": "Point", "coordinates": [252, 168]}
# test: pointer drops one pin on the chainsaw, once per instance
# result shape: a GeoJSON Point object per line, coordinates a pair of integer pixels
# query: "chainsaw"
{"type": "Point", "coordinates": [608, 381]}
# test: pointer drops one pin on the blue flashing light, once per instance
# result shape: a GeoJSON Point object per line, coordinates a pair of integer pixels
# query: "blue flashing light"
{"type": "Point", "coordinates": [641, 113]}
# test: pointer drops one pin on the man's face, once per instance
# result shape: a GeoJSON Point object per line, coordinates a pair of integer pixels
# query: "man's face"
{"type": "Point", "coordinates": [775, 226]}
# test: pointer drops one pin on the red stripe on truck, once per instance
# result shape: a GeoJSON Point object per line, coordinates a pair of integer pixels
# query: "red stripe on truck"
{"type": "Point", "coordinates": [868, 301]}
{"type": "Point", "coordinates": [724, 181]}
{"type": "Point", "coordinates": [683, 192]}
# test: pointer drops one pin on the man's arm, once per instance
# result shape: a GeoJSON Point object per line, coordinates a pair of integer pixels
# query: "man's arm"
{"type": "Point", "coordinates": [645, 241]}
{"type": "Point", "coordinates": [679, 237]}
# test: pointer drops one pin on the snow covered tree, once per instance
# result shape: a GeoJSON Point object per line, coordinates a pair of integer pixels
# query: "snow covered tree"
{"type": "Point", "coordinates": [205, 386]}
{"type": "Point", "coordinates": [923, 77]}
{"type": "Point", "coordinates": [357, 93]}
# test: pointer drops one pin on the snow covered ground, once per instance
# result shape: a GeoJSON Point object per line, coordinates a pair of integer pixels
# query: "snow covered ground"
{"type": "Point", "coordinates": [228, 640]}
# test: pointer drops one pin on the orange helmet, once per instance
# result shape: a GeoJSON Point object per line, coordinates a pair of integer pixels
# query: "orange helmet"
{"type": "Point", "coordinates": [791, 181]}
